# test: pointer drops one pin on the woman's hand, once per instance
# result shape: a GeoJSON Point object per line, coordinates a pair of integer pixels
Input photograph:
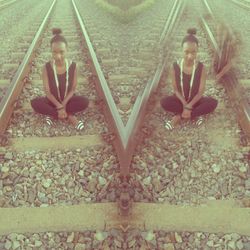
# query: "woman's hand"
{"type": "Point", "coordinates": [62, 114]}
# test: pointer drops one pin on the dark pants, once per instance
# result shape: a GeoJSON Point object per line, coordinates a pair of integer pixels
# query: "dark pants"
{"type": "Point", "coordinates": [204, 106]}
{"type": "Point", "coordinates": [43, 106]}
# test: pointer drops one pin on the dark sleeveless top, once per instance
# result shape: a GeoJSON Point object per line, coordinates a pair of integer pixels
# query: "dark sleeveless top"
{"type": "Point", "coordinates": [187, 79]}
{"type": "Point", "coordinates": [61, 80]}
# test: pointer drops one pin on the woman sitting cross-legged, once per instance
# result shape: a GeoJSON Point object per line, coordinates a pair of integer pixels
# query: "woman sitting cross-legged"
{"type": "Point", "coordinates": [60, 80]}
{"type": "Point", "coordinates": [188, 79]}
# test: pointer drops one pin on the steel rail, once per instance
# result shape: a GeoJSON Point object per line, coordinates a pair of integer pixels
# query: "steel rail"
{"type": "Point", "coordinates": [8, 102]}
{"type": "Point", "coordinates": [233, 87]}
{"type": "Point", "coordinates": [208, 8]}
{"type": "Point", "coordinates": [163, 34]}
{"type": "Point", "coordinates": [173, 20]}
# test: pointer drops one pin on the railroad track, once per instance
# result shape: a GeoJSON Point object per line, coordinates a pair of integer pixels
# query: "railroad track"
{"type": "Point", "coordinates": [27, 132]}
{"type": "Point", "coordinates": [166, 167]}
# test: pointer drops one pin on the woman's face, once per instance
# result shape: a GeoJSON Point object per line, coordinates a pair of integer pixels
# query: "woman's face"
{"type": "Point", "coordinates": [190, 50]}
{"type": "Point", "coordinates": [59, 50]}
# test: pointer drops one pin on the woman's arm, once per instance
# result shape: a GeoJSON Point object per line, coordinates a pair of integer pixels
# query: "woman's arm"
{"type": "Point", "coordinates": [73, 89]}
{"type": "Point", "coordinates": [176, 91]}
{"type": "Point", "coordinates": [201, 90]}
{"type": "Point", "coordinates": [47, 89]}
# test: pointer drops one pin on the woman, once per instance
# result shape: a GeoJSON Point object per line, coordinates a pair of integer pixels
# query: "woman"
{"type": "Point", "coordinates": [188, 79]}
{"type": "Point", "coordinates": [60, 80]}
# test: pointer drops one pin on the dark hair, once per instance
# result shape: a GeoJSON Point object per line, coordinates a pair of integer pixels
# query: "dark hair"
{"type": "Point", "coordinates": [57, 36]}
{"type": "Point", "coordinates": [190, 37]}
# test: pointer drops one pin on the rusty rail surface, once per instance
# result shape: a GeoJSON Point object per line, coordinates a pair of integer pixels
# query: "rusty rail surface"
{"type": "Point", "coordinates": [230, 82]}
{"type": "Point", "coordinates": [10, 98]}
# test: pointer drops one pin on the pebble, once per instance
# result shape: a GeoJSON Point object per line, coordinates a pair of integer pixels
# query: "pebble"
{"type": "Point", "coordinates": [243, 169]}
{"type": "Point", "coordinates": [239, 245]}
{"type": "Point", "coordinates": [100, 236]}
{"type": "Point", "coordinates": [8, 156]}
{"type": "Point", "coordinates": [210, 243]}
{"type": "Point", "coordinates": [70, 238]}
{"type": "Point", "coordinates": [232, 245]}
{"type": "Point", "coordinates": [182, 158]}
{"type": "Point", "coordinates": [169, 246]}
{"type": "Point", "coordinates": [8, 244]}
{"type": "Point", "coordinates": [47, 183]}
{"type": "Point", "coordinates": [178, 238]}
{"type": "Point", "coordinates": [235, 236]}
{"type": "Point", "coordinates": [216, 168]}
{"type": "Point", "coordinates": [147, 180]}
{"type": "Point", "coordinates": [175, 165]}
{"type": "Point", "coordinates": [38, 243]}
{"type": "Point", "coordinates": [247, 184]}
{"type": "Point", "coordinates": [102, 181]}
{"type": "Point", "coordinates": [157, 184]}
{"type": "Point", "coordinates": [81, 173]}
{"type": "Point", "coordinates": [31, 196]}
{"type": "Point", "coordinates": [92, 185]}
{"type": "Point", "coordinates": [5, 169]}
{"type": "Point", "coordinates": [148, 236]}
{"type": "Point", "coordinates": [15, 244]}
{"type": "Point", "coordinates": [80, 246]}
{"type": "Point", "coordinates": [247, 245]}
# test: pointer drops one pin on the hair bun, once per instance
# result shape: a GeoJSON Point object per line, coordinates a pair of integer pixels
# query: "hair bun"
{"type": "Point", "coordinates": [192, 31]}
{"type": "Point", "coordinates": [56, 31]}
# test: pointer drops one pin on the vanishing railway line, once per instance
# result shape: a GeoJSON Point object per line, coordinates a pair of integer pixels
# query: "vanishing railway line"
{"type": "Point", "coordinates": [48, 168]}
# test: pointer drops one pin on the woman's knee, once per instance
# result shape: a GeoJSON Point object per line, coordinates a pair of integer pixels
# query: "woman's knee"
{"type": "Point", "coordinates": [171, 104]}
{"type": "Point", "coordinates": [83, 102]}
{"type": "Point", "coordinates": [166, 101]}
{"type": "Point", "coordinates": [77, 103]}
